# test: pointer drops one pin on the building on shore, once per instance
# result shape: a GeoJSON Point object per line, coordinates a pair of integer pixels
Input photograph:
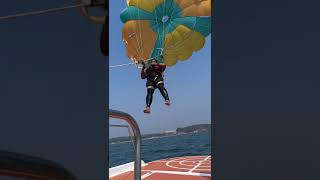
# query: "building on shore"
{"type": "Point", "coordinates": [171, 132]}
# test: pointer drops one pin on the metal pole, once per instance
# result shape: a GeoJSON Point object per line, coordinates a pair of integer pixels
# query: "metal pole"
{"type": "Point", "coordinates": [137, 137]}
{"type": "Point", "coordinates": [129, 131]}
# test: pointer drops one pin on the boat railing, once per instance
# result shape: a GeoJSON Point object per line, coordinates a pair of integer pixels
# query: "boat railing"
{"type": "Point", "coordinates": [136, 138]}
{"type": "Point", "coordinates": [129, 131]}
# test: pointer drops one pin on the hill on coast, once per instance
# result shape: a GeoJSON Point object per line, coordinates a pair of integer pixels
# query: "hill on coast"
{"type": "Point", "coordinates": [185, 130]}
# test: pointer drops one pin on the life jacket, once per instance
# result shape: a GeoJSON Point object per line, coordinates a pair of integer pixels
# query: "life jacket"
{"type": "Point", "coordinates": [153, 71]}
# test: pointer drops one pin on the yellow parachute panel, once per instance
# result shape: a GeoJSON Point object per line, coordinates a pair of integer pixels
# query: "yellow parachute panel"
{"type": "Point", "coordinates": [181, 43]}
{"type": "Point", "coordinates": [147, 5]}
{"type": "Point", "coordinates": [195, 7]}
{"type": "Point", "coordinates": [139, 39]}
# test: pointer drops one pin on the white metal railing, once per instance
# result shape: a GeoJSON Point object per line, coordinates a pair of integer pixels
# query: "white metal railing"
{"type": "Point", "coordinates": [136, 138]}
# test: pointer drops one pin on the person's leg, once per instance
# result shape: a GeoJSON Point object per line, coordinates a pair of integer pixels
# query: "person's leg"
{"type": "Point", "coordinates": [164, 92]}
{"type": "Point", "coordinates": [150, 91]}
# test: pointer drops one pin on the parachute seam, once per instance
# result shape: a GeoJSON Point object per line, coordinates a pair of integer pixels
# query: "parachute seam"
{"type": "Point", "coordinates": [181, 42]}
{"type": "Point", "coordinates": [173, 11]}
{"type": "Point", "coordinates": [137, 48]}
{"type": "Point", "coordinates": [157, 23]}
{"type": "Point", "coordinates": [141, 45]}
{"type": "Point", "coordinates": [163, 34]}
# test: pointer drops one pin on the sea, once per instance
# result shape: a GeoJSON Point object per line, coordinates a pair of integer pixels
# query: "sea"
{"type": "Point", "coordinates": [162, 147]}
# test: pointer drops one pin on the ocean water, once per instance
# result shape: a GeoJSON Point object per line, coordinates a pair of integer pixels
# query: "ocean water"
{"type": "Point", "coordinates": [160, 148]}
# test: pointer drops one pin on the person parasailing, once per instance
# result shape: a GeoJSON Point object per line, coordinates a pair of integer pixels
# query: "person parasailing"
{"type": "Point", "coordinates": [154, 76]}
{"type": "Point", "coordinates": [149, 30]}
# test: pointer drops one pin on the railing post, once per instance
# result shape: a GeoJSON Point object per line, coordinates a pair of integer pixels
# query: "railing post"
{"type": "Point", "coordinates": [137, 138]}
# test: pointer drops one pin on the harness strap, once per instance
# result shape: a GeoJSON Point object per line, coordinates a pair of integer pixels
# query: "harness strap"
{"type": "Point", "coordinates": [159, 82]}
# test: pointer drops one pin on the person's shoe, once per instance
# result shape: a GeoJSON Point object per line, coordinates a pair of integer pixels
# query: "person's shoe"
{"type": "Point", "coordinates": [167, 102]}
{"type": "Point", "coordinates": [147, 110]}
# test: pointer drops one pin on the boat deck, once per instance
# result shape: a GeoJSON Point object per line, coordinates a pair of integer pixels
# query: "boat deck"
{"type": "Point", "coordinates": [186, 168]}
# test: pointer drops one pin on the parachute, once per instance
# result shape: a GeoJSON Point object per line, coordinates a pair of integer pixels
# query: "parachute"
{"type": "Point", "coordinates": [168, 30]}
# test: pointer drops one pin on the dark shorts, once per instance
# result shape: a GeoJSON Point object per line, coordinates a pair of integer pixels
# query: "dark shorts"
{"type": "Point", "coordinates": [154, 83]}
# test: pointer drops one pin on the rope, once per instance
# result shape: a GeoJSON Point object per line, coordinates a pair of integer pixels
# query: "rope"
{"type": "Point", "coordinates": [135, 38]}
{"type": "Point", "coordinates": [39, 12]}
{"type": "Point", "coordinates": [33, 13]}
{"type": "Point", "coordinates": [120, 65]}
{"type": "Point", "coordinates": [128, 64]}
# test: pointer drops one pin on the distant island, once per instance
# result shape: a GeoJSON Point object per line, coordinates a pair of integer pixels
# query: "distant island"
{"type": "Point", "coordinates": [179, 131]}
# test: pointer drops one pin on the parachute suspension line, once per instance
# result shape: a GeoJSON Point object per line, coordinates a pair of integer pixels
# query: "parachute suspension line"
{"type": "Point", "coordinates": [128, 64]}
{"type": "Point", "coordinates": [120, 65]}
{"type": "Point", "coordinates": [173, 9]}
{"type": "Point", "coordinates": [139, 41]}
{"type": "Point", "coordinates": [141, 45]}
{"type": "Point", "coordinates": [133, 35]}
{"type": "Point", "coordinates": [158, 27]}
{"type": "Point", "coordinates": [137, 38]}
{"type": "Point", "coordinates": [138, 47]}
{"type": "Point", "coordinates": [163, 33]}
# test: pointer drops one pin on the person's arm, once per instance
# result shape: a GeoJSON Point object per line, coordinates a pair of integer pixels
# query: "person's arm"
{"type": "Point", "coordinates": [163, 67]}
{"type": "Point", "coordinates": [143, 71]}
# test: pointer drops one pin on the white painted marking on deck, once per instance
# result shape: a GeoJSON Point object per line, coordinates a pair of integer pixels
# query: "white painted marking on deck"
{"type": "Point", "coordinates": [147, 175]}
{"type": "Point", "coordinates": [200, 162]}
{"type": "Point", "coordinates": [188, 159]}
{"type": "Point", "coordinates": [179, 173]}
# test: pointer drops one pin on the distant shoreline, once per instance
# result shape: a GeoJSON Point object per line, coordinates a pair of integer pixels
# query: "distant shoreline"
{"type": "Point", "coordinates": [180, 131]}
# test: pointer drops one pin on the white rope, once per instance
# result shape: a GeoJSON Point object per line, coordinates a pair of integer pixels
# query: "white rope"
{"type": "Point", "coordinates": [128, 64]}
{"type": "Point", "coordinates": [120, 65]}
{"type": "Point", "coordinates": [39, 12]}
{"type": "Point", "coordinates": [33, 13]}
{"type": "Point", "coordinates": [135, 38]}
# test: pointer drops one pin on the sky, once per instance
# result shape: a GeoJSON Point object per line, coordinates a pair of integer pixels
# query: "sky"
{"type": "Point", "coordinates": [188, 84]}
{"type": "Point", "coordinates": [53, 87]}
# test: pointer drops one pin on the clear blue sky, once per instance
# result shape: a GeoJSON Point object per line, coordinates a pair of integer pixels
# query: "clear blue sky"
{"type": "Point", "coordinates": [188, 84]}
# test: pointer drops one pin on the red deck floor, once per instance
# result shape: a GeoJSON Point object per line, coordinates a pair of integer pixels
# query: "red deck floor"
{"type": "Point", "coordinates": [184, 168]}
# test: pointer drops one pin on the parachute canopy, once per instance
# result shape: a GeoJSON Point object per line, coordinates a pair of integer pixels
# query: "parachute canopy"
{"type": "Point", "coordinates": [169, 30]}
